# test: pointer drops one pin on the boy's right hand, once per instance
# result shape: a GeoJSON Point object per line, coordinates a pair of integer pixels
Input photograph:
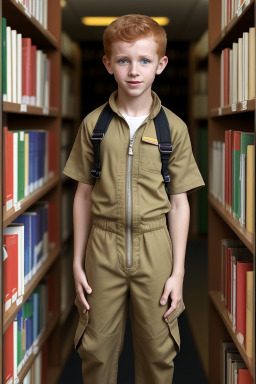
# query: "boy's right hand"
{"type": "Point", "coordinates": [81, 284]}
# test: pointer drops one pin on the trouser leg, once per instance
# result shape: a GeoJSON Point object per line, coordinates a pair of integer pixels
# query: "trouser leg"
{"type": "Point", "coordinates": [155, 341]}
{"type": "Point", "coordinates": [100, 339]}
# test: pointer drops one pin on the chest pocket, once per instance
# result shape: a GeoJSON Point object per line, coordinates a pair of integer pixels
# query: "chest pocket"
{"type": "Point", "coordinates": [150, 155]}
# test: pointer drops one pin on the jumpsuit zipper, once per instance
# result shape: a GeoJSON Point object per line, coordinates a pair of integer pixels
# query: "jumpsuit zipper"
{"type": "Point", "coordinates": [129, 206]}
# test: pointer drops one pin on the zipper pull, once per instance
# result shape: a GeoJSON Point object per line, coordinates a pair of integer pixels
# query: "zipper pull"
{"type": "Point", "coordinates": [130, 152]}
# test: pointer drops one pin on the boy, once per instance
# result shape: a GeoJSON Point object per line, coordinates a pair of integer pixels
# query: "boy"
{"type": "Point", "coordinates": [122, 248]}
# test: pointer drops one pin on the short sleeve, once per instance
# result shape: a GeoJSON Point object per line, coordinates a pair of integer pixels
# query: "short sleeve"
{"type": "Point", "coordinates": [81, 158]}
{"type": "Point", "coordinates": [183, 170]}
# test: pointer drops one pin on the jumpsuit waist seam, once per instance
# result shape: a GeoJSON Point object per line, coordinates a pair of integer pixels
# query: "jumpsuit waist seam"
{"type": "Point", "coordinates": [118, 227]}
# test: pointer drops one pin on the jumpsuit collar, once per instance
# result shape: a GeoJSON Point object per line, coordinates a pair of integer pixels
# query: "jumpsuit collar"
{"type": "Point", "coordinates": [155, 109]}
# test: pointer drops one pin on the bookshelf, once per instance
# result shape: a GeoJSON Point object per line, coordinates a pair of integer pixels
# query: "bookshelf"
{"type": "Point", "coordinates": [21, 116]}
{"type": "Point", "coordinates": [238, 116]}
{"type": "Point", "coordinates": [197, 123]}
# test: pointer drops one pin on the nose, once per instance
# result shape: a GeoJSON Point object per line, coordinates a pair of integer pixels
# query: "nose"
{"type": "Point", "coordinates": [133, 71]}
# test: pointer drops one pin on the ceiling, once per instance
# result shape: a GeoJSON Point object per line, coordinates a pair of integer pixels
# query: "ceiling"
{"type": "Point", "coordinates": [188, 18]}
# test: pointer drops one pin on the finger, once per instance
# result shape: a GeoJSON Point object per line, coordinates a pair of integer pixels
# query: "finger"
{"type": "Point", "coordinates": [85, 284]}
{"type": "Point", "coordinates": [82, 298]}
{"type": "Point", "coordinates": [171, 309]}
{"type": "Point", "coordinates": [164, 297]}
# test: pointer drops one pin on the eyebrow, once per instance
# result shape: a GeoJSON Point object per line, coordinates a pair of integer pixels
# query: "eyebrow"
{"type": "Point", "coordinates": [140, 57]}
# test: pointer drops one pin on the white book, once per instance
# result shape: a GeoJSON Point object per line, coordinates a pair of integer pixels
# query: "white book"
{"type": "Point", "coordinates": [230, 75]}
{"type": "Point", "coordinates": [41, 11]}
{"type": "Point", "coordinates": [38, 368]}
{"type": "Point", "coordinates": [46, 83]}
{"type": "Point", "coordinates": [38, 78]}
{"type": "Point", "coordinates": [245, 64]}
{"type": "Point", "coordinates": [15, 167]}
{"type": "Point", "coordinates": [240, 70]}
{"type": "Point", "coordinates": [234, 73]}
{"type": "Point", "coordinates": [37, 9]}
{"type": "Point", "coordinates": [223, 172]}
{"type": "Point", "coordinates": [14, 66]}
{"type": "Point", "coordinates": [45, 17]}
{"type": "Point", "coordinates": [19, 68]}
{"type": "Point", "coordinates": [9, 63]}
{"type": "Point", "coordinates": [243, 188]}
{"type": "Point", "coordinates": [251, 90]}
{"type": "Point", "coordinates": [222, 79]}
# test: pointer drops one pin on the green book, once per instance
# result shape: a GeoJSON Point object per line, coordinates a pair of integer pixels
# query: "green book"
{"type": "Point", "coordinates": [247, 138]}
{"type": "Point", "coordinates": [236, 182]}
{"type": "Point", "coordinates": [4, 58]}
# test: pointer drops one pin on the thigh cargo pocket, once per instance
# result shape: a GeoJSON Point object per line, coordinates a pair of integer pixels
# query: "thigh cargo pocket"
{"type": "Point", "coordinates": [172, 321]}
{"type": "Point", "coordinates": [82, 324]}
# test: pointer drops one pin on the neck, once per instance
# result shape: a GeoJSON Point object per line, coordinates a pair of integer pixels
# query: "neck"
{"type": "Point", "coordinates": [134, 106]}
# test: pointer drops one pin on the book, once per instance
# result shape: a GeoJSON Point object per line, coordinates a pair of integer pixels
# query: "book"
{"type": "Point", "coordinates": [242, 268]}
{"type": "Point", "coordinates": [249, 314]}
{"type": "Point", "coordinates": [251, 69]}
{"type": "Point", "coordinates": [250, 182]}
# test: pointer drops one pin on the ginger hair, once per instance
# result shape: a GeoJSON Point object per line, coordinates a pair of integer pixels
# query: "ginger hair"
{"type": "Point", "coordinates": [130, 28]}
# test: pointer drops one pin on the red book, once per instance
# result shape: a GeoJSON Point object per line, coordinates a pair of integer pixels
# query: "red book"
{"type": "Point", "coordinates": [8, 354]}
{"type": "Point", "coordinates": [228, 11]}
{"type": "Point", "coordinates": [242, 268]}
{"type": "Point", "coordinates": [10, 269]}
{"type": "Point", "coordinates": [33, 73]}
{"type": "Point", "coordinates": [8, 169]}
{"type": "Point", "coordinates": [226, 168]}
{"type": "Point", "coordinates": [244, 376]}
{"type": "Point", "coordinates": [229, 279]}
{"type": "Point", "coordinates": [26, 70]}
{"type": "Point", "coordinates": [226, 76]}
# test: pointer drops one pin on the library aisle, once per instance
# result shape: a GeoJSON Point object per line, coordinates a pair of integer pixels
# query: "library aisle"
{"type": "Point", "coordinates": [52, 76]}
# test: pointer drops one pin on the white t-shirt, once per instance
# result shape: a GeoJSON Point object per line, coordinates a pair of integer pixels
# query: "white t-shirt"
{"type": "Point", "coordinates": [134, 122]}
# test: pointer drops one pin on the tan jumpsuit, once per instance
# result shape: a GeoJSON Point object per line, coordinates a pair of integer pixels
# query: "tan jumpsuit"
{"type": "Point", "coordinates": [129, 250]}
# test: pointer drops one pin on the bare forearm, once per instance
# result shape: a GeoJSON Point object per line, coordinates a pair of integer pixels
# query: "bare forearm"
{"type": "Point", "coordinates": [82, 226]}
{"type": "Point", "coordinates": [178, 219]}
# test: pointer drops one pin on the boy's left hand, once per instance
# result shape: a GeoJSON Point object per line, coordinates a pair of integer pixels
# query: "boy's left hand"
{"type": "Point", "coordinates": [173, 287]}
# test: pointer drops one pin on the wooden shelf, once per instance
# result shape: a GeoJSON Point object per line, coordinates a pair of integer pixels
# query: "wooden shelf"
{"type": "Point", "coordinates": [241, 107]}
{"type": "Point", "coordinates": [52, 323]}
{"type": "Point", "coordinates": [223, 313]}
{"type": "Point", "coordinates": [18, 18]}
{"type": "Point", "coordinates": [26, 109]}
{"type": "Point", "coordinates": [9, 315]}
{"type": "Point", "coordinates": [29, 200]}
{"type": "Point", "coordinates": [246, 237]}
{"type": "Point", "coordinates": [234, 29]}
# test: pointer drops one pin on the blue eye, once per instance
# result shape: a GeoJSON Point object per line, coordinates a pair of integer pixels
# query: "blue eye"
{"type": "Point", "coordinates": [145, 61]}
{"type": "Point", "coordinates": [122, 61]}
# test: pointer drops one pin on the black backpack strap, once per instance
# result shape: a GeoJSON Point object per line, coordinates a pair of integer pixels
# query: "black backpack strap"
{"type": "Point", "coordinates": [98, 134]}
{"type": "Point", "coordinates": [164, 144]}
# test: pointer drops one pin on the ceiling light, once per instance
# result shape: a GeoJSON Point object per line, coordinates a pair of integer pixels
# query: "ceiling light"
{"type": "Point", "coordinates": [63, 3]}
{"type": "Point", "coordinates": [105, 21]}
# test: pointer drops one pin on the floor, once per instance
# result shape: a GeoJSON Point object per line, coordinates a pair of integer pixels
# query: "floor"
{"type": "Point", "coordinates": [188, 365]}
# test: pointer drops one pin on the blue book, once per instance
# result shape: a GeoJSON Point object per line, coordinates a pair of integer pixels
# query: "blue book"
{"type": "Point", "coordinates": [35, 296]}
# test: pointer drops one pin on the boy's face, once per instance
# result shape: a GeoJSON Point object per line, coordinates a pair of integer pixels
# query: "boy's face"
{"type": "Point", "coordinates": [134, 65]}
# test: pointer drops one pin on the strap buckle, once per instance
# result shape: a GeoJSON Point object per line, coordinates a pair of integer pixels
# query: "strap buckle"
{"type": "Point", "coordinates": [97, 136]}
{"type": "Point", "coordinates": [95, 173]}
{"type": "Point", "coordinates": [166, 178]}
{"type": "Point", "coordinates": [165, 148]}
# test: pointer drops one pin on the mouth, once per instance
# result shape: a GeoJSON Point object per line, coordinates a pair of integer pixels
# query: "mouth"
{"type": "Point", "coordinates": [134, 83]}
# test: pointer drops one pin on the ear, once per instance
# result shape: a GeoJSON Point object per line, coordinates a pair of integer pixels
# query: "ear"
{"type": "Point", "coordinates": [107, 64]}
{"type": "Point", "coordinates": [161, 65]}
